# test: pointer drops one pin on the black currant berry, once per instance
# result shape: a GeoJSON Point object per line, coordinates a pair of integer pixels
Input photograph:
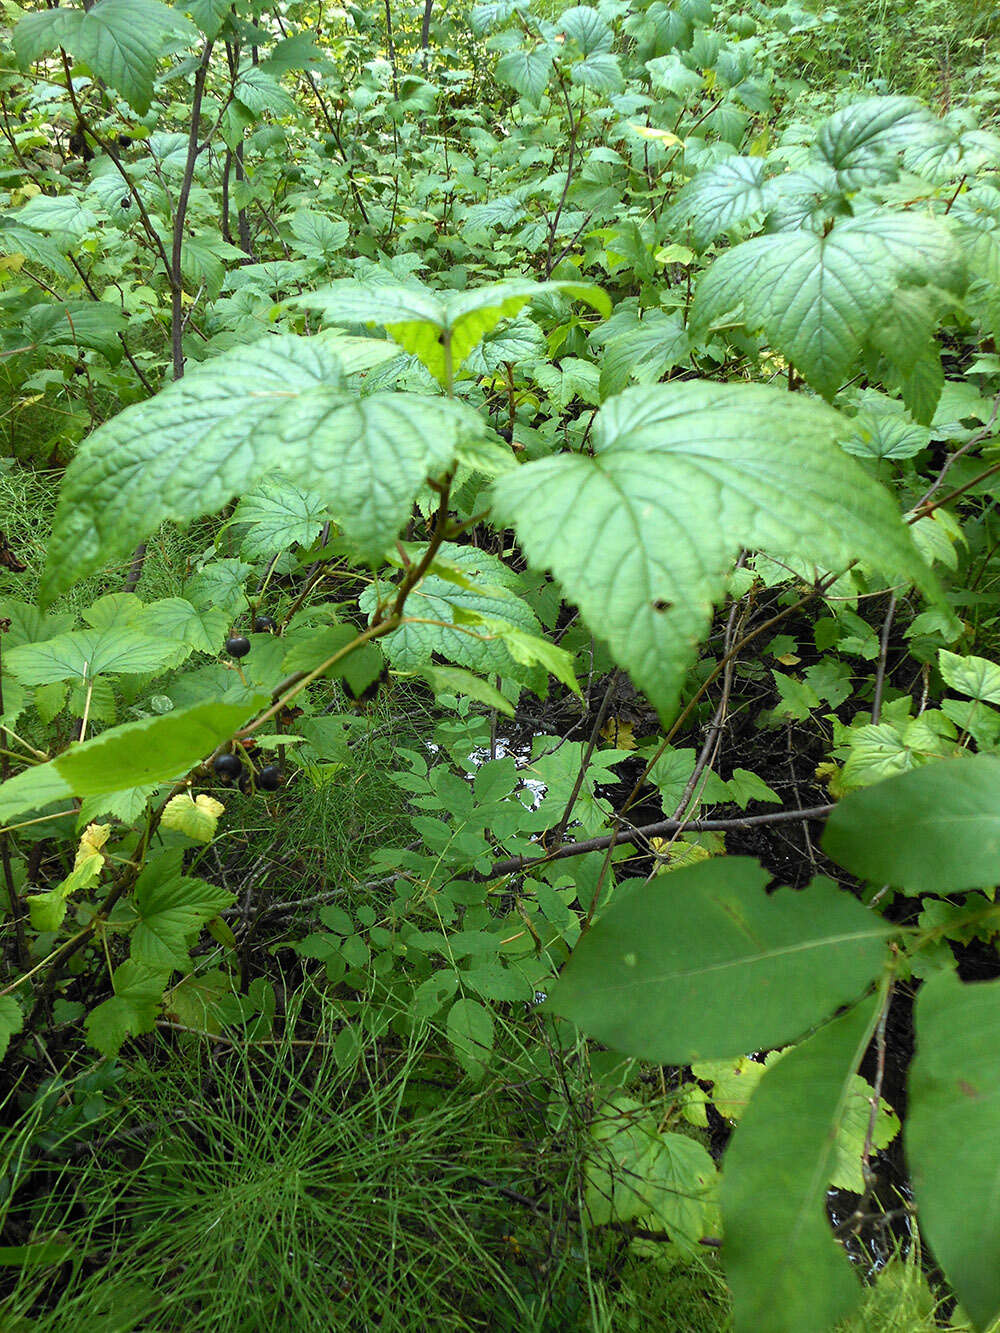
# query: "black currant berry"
{"type": "Point", "coordinates": [269, 778]}
{"type": "Point", "coordinates": [264, 625]}
{"type": "Point", "coordinates": [246, 786]}
{"type": "Point", "coordinates": [237, 646]}
{"type": "Point", "coordinates": [228, 766]}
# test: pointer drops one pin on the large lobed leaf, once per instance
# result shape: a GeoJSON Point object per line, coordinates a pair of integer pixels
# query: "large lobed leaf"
{"type": "Point", "coordinates": [278, 404]}
{"type": "Point", "coordinates": [683, 476]}
{"type": "Point", "coordinates": [822, 299]}
{"type": "Point", "coordinates": [705, 965]}
{"type": "Point", "coordinates": [120, 40]}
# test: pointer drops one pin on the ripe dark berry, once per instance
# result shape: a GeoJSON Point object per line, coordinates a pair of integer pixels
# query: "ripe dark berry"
{"type": "Point", "coordinates": [246, 786]}
{"type": "Point", "coordinates": [126, 202]}
{"type": "Point", "coordinates": [237, 646]}
{"type": "Point", "coordinates": [228, 766]}
{"type": "Point", "coordinates": [264, 625]}
{"type": "Point", "coordinates": [269, 778]}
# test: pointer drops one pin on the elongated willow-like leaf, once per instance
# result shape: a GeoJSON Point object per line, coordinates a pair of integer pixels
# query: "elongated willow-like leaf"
{"type": "Point", "coordinates": [953, 1136]}
{"type": "Point", "coordinates": [152, 750]}
{"type": "Point", "coordinates": [821, 299]}
{"type": "Point", "coordinates": [933, 830]}
{"type": "Point", "coordinates": [441, 328]}
{"type": "Point", "coordinates": [277, 405]}
{"type": "Point", "coordinates": [683, 476]}
{"type": "Point", "coordinates": [705, 965]}
{"type": "Point", "coordinates": [786, 1271]}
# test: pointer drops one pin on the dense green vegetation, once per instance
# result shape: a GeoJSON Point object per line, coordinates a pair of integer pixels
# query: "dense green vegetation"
{"type": "Point", "coordinates": [499, 698]}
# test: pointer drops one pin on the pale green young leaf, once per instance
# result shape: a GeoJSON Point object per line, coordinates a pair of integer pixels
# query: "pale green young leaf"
{"type": "Point", "coordinates": [642, 533]}
{"type": "Point", "coordinates": [976, 677]}
{"type": "Point", "coordinates": [441, 328]}
{"type": "Point", "coordinates": [774, 1185]}
{"type": "Point", "coordinates": [470, 1031]}
{"type": "Point", "coordinates": [716, 967]}
{"type": "Point", "coordinates": [197, 817]}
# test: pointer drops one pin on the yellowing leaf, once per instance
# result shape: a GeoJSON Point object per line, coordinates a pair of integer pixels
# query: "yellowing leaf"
{"type": "Point", "coordinates": [664, 137]}
{"type": "Point", "coordinates": [92, 840]}
{"type": "Point", "coordinates": [48, 910]}
{"type": "Point", "coordinates": [196, 817]}
{"type": "Point", "coordinates": [619, 734]}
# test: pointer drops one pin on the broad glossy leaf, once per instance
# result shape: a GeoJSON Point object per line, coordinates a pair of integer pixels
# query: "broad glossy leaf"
{"type": "Point", "coordinates": [441, 328]}
{"type": "Point", "coordinates": [707, 965]}
{"type": "Point", "coordinates": [62, 214]}
{"type": "Point", "coordinates": [154, 749]}
{"type": "Point", "coordinates": [821, 299]}
{"type": "Point", "coordinates": [953, 1136]}
{"type": "Point", "coordinates": [644, 353]}
{"type": "Point", "coordinates": [40, 250]}
{"type": "Point", "coordinates": [120, 40]}
{"type": "Point", "coordinates": [722, 196]}
{"type": "Point", "coordinates": [278, 404]}
{"type": "Point", "coordinates": [935, 830]}
{"type": "Point", "coordinates": [774, 1183]}
{"type": "Point", "coordinates": [682, 477]}
{"type": "Point", "coordinates": [78, 324]}
{"type": "Point", "coordinates": [34, 789]}
{"type": "Point", "coordinates": [586, 29]}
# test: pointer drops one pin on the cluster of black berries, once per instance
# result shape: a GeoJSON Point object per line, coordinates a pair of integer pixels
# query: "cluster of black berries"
{"type": "Point", "coordinates": [230, 768]}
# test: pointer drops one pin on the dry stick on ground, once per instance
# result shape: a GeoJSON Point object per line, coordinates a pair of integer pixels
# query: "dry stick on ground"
{"type": "Point", "coordinates": [515, 864]}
